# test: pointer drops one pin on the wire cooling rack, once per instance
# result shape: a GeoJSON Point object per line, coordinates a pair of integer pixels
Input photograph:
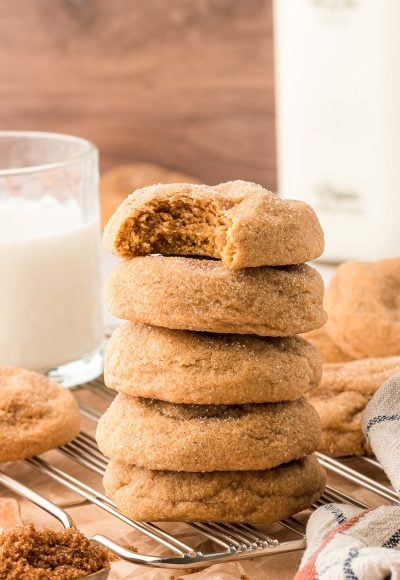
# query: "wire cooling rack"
{"type": "Point", "coordinates": [219, 542]}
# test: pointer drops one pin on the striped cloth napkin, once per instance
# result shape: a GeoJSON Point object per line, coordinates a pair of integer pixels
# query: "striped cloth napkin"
{"type": "Point", "coordinates": [344, 542]}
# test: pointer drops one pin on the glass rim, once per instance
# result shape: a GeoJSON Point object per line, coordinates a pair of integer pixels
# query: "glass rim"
{"type": "Point", "coordinates": [88, 149]}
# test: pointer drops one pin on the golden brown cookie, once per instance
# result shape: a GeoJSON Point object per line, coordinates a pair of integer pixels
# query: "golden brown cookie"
{"type": "Point", "coordinates": [239, 222]}
{"type": "Point", "coordinates": [204, 295]}
{"type": "Point", "coordinates": [363, 302]}
{"type": "Point", "coordinates": [345, 390]}
{"type": "Point", "coordinates": [35, 414]}
{"type": "Point", "coordinates": [120, 181]}
{"type": "Point", "coordinates": [230, 496]}
{"type": "Point", "coordinates": [159, 435]}
{"type": "Point", "coordinates": [221, 369]}
{"type": "Point", "coordinates": [330, 352]}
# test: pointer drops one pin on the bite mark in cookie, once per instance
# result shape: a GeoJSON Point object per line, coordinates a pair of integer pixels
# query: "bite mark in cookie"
{"type": "Point", "coordinates": [238, 222]}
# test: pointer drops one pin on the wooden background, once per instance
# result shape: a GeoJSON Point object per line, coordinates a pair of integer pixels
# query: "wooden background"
{"type": "Point", "coordinates": [184, 83]}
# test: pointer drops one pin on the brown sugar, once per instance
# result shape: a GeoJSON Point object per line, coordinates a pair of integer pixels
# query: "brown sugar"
{"type": "Point", "coordinates": [40, 554]}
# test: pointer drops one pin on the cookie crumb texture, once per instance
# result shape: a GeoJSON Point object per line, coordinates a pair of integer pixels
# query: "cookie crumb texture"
{"type": "Point", "coordinates": [238, 222]}
{"type": "Point", "coordinates": [159, 435]}
{"type": "Point", "coordinates": [221, 369]}
{"type": "Point", "coordinates": [117, 183]}
{"type": "Point", "coordinates": [35, 414]}
{"type": "Point", "coordinates": [30, 554]}
{"type": "Point", "coordinates": [204, 295]}
{"type": "Point", "coordinates": [233, 496]}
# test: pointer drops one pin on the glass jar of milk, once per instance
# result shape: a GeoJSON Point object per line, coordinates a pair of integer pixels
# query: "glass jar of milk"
{"type": "Point", "coordinates": [50, 286]}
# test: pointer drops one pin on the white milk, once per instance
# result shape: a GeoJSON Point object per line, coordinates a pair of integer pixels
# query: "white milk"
{"type": "Point", "coordinates": [50, 306]}
{"type": "Point", "coordinates": [338, 118]}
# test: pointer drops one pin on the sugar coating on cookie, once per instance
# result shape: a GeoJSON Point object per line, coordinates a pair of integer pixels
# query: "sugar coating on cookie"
{"type": "Point", "coordinates": [158, 435]}
{"type": "Point", "coordinates": [204, 295]}
{"type": "Point", "coordinates": [221, 369]}
{"type": "Point", "coordinates": [238, 222]}
{"type": "Point", "coordinates": [35, 414]}
{"type": "Point", "coordinates": [363, 301]}
{"type": "Point", "coordinates": [230, 496]}
{"type": "Point", "coordinates": [342, 396]}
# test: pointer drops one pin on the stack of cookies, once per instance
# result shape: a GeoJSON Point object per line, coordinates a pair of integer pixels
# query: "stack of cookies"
{"type": "Point", "coordinates": [210, 422]}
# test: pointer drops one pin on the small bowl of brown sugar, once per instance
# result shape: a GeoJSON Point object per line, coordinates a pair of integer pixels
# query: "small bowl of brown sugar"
{"type": "Point", "coordinates": [67, 554]}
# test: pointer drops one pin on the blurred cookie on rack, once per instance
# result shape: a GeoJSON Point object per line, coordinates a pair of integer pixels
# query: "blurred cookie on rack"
{"type": "Point", "coordinates": [342, 396]}
{"type": "Point", "coordinates": [118, 182]}
{"type": "Point", "coordinates": [36, 414]}
{"type": "Point", "coordinates": [329, 351]}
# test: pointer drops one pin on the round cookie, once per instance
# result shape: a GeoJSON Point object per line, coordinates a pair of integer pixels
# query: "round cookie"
{"type": "Point", "coordinates": [341, 398]}
{"type": "Point", "coordinates": [340, 416]}
{"type": "Point", "coordinates": [35, 414]}
{"type": "Point", "coordinates": [164, 436]}
{"type": "Point", "coordinates": [221, 369]}
{"type": "Point", "coordinates": [330, 351]}
{"type": "Point", "coordinates": [363, 301]}
{"type": "Point", "coordinates": [239, 222]}
{"type": "Point", "coordinates": [230, 496]}
{"type": "Point", "coordinates": [120, 181]}
{"type": "Point", "coordinates": [204, 295]}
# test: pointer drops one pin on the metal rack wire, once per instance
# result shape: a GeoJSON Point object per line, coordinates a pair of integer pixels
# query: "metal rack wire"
{"type": "Point", "coordinates": [225, 541]}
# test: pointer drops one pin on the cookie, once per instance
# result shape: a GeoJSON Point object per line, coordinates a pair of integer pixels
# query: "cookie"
{"type": "Point", "coordinates": [345, 390]}
{"type": "Point", "coordinates": [330, 352]}
{"type": "Point", "coordinates": [238, 222]}
{"type": "Point", "coordinates": [192, 367]}
{"type": "Point", "coordinates": [230, 496]}
{"type": "Point", "coordinates": [35, 414]}
{"type": "Point", "coordinates": [159, 435]}
{"type": "Point", "coordinates": [120, 181]}
{"type": "Point", "coordinates": [204, 295]}
{"type": "Point", "coordinates": [363, 301]}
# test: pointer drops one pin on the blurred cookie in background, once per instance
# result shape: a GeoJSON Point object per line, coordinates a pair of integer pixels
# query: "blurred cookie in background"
{"type": "Point", "coordinates": [36, 414]}
{"type": "Point", "coordinates": [321, 340]}
{"type": "Point", "coordinates": [340, 399]}
{"type": "Point", "coordinates": [363, 305]}
{"type": "Point", "coordinates": [122, 180]}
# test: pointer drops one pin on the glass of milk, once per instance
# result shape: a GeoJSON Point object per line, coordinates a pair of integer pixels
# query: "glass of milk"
{"type": "Point", "coordinates": [50, 283]}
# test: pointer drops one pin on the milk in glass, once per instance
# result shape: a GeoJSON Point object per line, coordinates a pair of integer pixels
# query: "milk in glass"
{"type": "Point", "coordinates": [50, 308]}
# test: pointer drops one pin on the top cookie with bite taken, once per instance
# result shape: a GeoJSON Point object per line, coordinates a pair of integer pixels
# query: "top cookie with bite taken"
{"type": "Point", "coordinates": [238, 222]}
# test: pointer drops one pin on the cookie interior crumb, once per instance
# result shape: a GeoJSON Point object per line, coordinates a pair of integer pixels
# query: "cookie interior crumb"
{"type": "Point", "coordinates": [40, 554]}
{"type": "Point", "coordinates": [181, 226]}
